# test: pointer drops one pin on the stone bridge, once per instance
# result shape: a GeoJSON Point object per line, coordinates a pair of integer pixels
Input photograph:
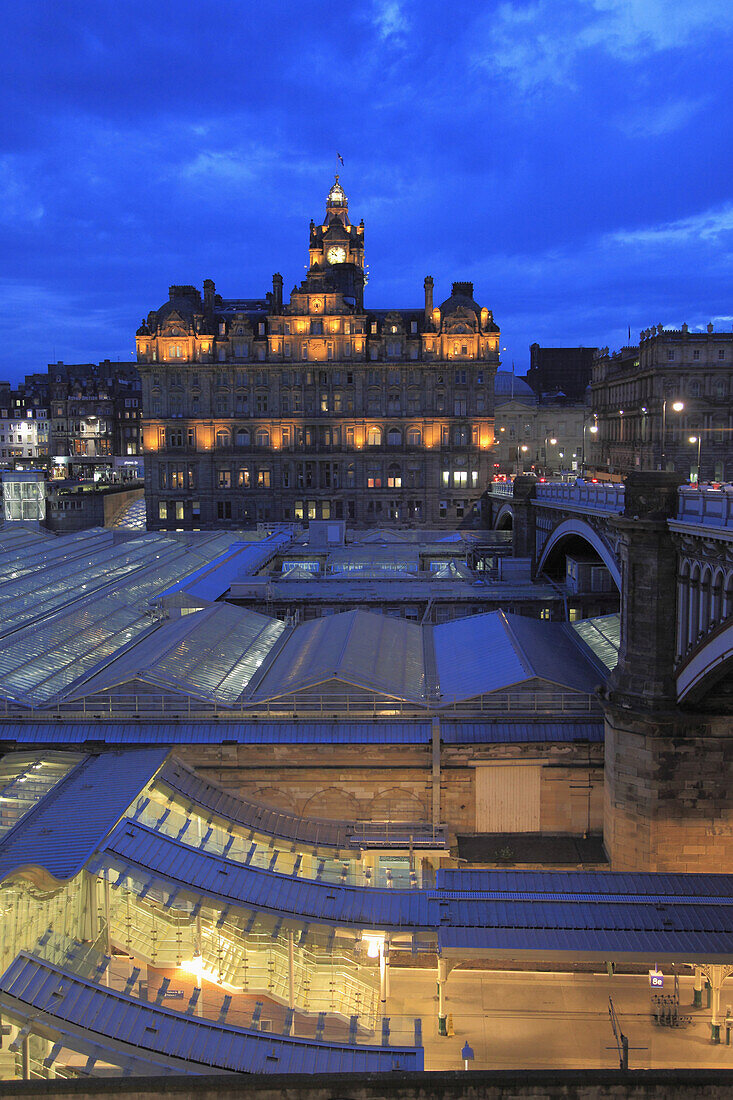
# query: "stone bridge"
{"type": "Point", "coordinates": [551, 519]}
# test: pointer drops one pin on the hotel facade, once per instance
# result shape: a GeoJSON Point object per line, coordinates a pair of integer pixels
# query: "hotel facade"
{"type": "Point", "coordinates": [257, 410]}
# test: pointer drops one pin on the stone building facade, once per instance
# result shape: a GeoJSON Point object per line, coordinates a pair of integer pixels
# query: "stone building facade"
{"type": "Point", "coordinates": [546, 435]}
{"type": "Point", "coordinates": [665, 403]}
{"type": "Point", "coordinates": [24, 424]}
{"type": "Point", "coordinates": [95, 414]}
{"type": "Point", "coordinates": [320, 408]}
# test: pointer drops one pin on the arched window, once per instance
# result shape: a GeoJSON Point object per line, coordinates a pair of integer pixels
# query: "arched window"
{"type": "Point", "coordinates": [243, 437]}
{"type": "Point", "coordinates": [350, 475]}
{"type": "Point", "coordinates": [716, 604]}
{"type": "Point", "coordinates": [720, 388]}
{"type": "Point", "coordinates": [394, 437]}
{"type": "Point", "coordinates": [262, 437]}
{"type": "Point", "coordinates": [223, 439]}
{"type": "Point", "coordinates": [728, 597]}
{"type": "Point", "coordinates": [694, 606]}
{"type": "Point", "coordinates": [374, 437]}
{"type": "Point", "coordinates": [706, 585]}
{"type": "Point", "coordinates": [414, 437]}
{"type": "Point", "coordinates": [394, 476]}
{"type": "Point", "coordinates": [694, 388]}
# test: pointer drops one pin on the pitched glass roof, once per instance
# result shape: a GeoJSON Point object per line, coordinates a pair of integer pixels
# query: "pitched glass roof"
{"type": "Point", "coordinates": [375, 652]}
{"type": "Point", "coordinates": [86, 615]}
{"type": "Point", "coordinates": [26, 778]}
{"type": "Point", "coordinates": [603, 636]}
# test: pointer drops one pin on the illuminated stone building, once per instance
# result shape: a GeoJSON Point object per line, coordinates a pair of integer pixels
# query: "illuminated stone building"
{"type": "Point", "coordinates": [666, 404]}
{"type": "Point", "coordinates": [320, 408]}
{"type": "Point", "coordinates": [95, 415]}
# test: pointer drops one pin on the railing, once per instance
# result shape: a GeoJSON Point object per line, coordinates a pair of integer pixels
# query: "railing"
{"type": "Point", "coordinates": [297, 859]}
{"type": "Point", "coordinates": [707, 507]}
{"type": "Point", "coordinates": [119, 708]}
{"type": "Point", "coordinates": [582, 495]}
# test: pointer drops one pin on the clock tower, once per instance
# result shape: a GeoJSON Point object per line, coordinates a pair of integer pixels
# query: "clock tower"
{"type": "Point", "coordinates": [336, 253]}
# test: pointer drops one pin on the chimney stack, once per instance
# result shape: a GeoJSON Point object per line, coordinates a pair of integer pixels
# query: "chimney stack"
{"type": "Point", "coordinates": [209, 291]}
{"type": "Point", "coordinates": [277, 292]}
{"type": "Point", "coordinates": [428, 298]}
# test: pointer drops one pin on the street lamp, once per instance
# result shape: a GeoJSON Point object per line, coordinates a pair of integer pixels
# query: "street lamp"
{"type": "Point", "coordinates": [552, 442]}
{"type": "Point", "coordinates": [522, 449]}
{"type": "Point", "coordinates": [593, 429]}
{"type": "Point", "coordinates": [677, 406]}
{"type": "Point", "coordinates": [697, 439]}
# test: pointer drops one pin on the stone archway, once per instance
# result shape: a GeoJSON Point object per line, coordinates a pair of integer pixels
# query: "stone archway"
{"type": "Point", "coordinates": [572, 530]}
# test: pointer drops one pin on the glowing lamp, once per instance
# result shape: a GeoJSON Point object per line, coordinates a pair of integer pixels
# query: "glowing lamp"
{"type": "Point", "coordinates": [194, 966]}
{"type": "Point", "coordinates": [678, 406]}
{"type": "Point", "coordinates": [375, 946]}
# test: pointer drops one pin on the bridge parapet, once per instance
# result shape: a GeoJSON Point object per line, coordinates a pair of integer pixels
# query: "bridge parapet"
{"type": "Point", "coordinates": [582, 495]}
{"type": "Point", "coordinates": [706, 507]}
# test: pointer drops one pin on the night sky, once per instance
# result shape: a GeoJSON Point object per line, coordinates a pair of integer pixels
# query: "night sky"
{"type": "Point", "coordinates": [571, 157]}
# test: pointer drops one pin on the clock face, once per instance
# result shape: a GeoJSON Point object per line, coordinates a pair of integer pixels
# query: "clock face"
{"type": "Point", "coordinates": [336, 255]}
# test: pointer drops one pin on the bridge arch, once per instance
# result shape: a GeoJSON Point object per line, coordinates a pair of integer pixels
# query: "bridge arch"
{"type": "Point", "coordinates": [504, 519]}
{"type": "Point", "coordinates": [708, 665]}
{"type": "Point", "coordinates": [571, 529]}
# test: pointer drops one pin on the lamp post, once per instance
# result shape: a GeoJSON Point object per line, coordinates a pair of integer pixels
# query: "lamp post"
{"type": "Point", "coordinates": [697, 439]}
{"type": "Point", "coordinates": [522, 449]}
{"type": "Point", "coordinates": [677, 406]}
{"type": "Point", "coordinates": [593, 429]}
{"type": "Point", "coordinates": [552, 441]}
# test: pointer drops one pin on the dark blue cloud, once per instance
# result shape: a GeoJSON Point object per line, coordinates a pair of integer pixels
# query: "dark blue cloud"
{"type": "Point", "coordinates": [574, 159]}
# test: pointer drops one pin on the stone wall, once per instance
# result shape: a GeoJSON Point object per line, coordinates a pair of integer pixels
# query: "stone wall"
{"type": "Point", "coordinates": [672, 1084]}
{"type": "Point", "coordinates": [378, 782]}
{"type": "Point", "coordinates": [668, 802]}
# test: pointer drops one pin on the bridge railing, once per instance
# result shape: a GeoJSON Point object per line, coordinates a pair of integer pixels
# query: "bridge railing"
{"type": "Point", "coordinates": [706, 506]}
{"type": "Point", "coordinates": [573, 494]}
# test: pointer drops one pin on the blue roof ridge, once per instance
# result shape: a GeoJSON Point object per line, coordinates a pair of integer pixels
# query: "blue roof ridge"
{"type": "Point", "coordinates": [516, 645]}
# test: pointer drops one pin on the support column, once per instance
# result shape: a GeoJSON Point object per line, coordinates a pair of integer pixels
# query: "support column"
{"type": "Point", "coordinates": [107, 927]}
{"type": "Point", "coordinates": [442, 976]}
{"type": "Point", "coordinates": [435, 774]}
{"type": "Point", "coordinates": [382, 974]}
{"type": "Point", "coordinates": [697, 992]}
{"type": "Point", "coordinates": [198, 954]}
{"type": "Point", "coordinates": [291, 971]}
{"type": "Point", "coordinates": [716, 975]}
{"type": "Point", "coordinates": [524, 542]}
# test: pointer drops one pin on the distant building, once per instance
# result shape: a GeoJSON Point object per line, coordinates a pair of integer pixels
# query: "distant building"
{"type": "Point", "coordinates": [666, 402]}
{"type": "Point", "coordinates": [95, 416]}
{"type": "Point", "coordinates": [320, 408]}
{"type": "Point", "coordinates": [565, 371]}
{"type": "Point", "coordinates": [545, 434]}
{"type": "Point", "coordinates": [24, 424]}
